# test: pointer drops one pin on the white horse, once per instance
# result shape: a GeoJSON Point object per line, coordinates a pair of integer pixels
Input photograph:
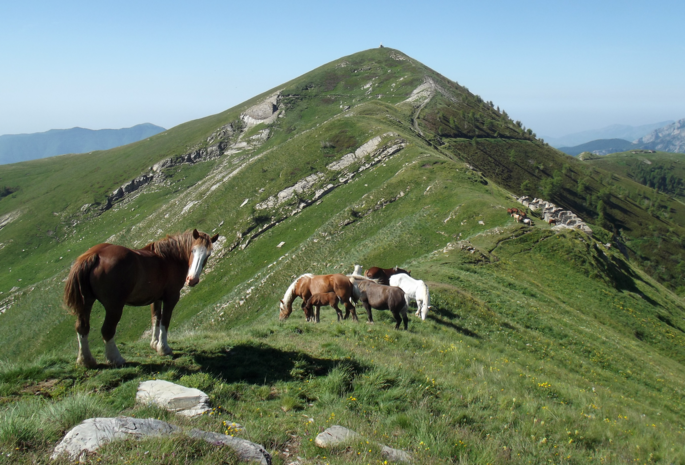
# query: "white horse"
{"type": "Point", "coordinates": [414, 289]}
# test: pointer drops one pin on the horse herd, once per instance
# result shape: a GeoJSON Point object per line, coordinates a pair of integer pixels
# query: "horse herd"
{"type": "Point", "coordinates": [154, 275]}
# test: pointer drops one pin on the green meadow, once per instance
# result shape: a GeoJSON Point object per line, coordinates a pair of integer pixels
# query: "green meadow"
{"type": "Point", "coordinates": [541, 345]}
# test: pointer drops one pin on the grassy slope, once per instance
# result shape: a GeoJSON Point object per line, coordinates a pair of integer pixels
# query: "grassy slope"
{"type": "Point", "coordinates": [540, 346]}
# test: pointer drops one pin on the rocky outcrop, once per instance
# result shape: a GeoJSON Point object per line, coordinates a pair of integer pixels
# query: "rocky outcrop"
{"type": "Point", "coordinates": [264, 112]}
{"type": "Point", "coordinates": [182, 400]}
{"type": "Point", "coordinates": [564, 219]}
{"type": "Point", "coordinates": [670, 138]}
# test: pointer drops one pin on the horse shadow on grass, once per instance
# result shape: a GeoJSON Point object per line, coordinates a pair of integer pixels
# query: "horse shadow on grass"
{"type": "Point", "coordinates": [440, 315]}
{"type": "Point", "coordinates": [262, 364]}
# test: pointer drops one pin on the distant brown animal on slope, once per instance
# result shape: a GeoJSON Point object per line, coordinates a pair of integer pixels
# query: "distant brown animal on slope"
{"type": "Point", "coordinates": [552, 221]}
{"type": "Point", "coordinates": [383, 274]}
{"type": "Point", "coordinates": [117, 276]}
{"type": "Point", "coordinates": [308, 284]}
{"type": "Point", "coordinates": [380, 297]}
{"type": "Point", "coordinates": [322, 300]}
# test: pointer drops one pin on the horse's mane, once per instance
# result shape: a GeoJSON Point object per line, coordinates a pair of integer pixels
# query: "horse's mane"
{"type": "Point", "coordinates": [174, 246]}
{"type": "Point", "coordinates": [289, 293]}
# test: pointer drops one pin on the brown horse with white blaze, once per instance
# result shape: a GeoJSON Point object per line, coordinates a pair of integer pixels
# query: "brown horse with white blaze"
{"type": "Point", "coordinates": [118, 276]}
{"type": "Point", "coordinates": [308, 284]}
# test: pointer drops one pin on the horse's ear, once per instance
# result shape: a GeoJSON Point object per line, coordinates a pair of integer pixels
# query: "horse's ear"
{"type": "Point", "coordinates": [195, 234]}
{"type": "Point", "coordinates": [214, 238]}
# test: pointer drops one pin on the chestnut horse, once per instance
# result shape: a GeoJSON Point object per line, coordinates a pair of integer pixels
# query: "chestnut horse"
{"type": "Point", "coordinates": [309, 284]}
{"type": "Point", "coordinates": [321, 300]}
{"type": "Point", "coordinates": [382, 275]}
{"type": "Point", "coordinates": [118, 276]}
{"type": "Point", "coordinates": [380, 297]}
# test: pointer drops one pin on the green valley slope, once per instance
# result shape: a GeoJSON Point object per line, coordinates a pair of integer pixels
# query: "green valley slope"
{"type": "Point", "coordinates": [542, 344]}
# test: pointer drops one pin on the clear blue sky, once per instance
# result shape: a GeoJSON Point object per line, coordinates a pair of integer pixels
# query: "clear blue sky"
{"type": "Point", "coordinates": [558, 66]}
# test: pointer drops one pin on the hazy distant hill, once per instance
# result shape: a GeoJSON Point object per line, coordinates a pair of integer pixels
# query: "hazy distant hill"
{"type": "Point", "coordinates": [615, 131]}
{"type": "Point", "coordinates": [600, 147]}
{"type": "Point", "coordinates": [22, 147]}
{"type": "Point", "coordinates": [670, 138]}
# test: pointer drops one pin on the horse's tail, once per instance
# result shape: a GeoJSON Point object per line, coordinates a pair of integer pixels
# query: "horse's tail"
{"type": "Point", "coordinates": [77, 287]}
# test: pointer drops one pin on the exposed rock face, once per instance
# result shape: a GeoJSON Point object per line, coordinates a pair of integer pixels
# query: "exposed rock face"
{"type": "Point", "coordinates": [247, 451]}
{"type": "Point", "coordinates": [565, 219]}
{"type": "Point", "coordinates": [670, 138]}
{"type": "Point", "coordinates": [94, 433]}
{"type": "Point", "coordinates": [426, 91]}
{"type": "Point", "coordinates": [8, 218]}
{"type": "Point", "coordinates": [173, 397]}
{"type": "Point", "coordinates": [264, 112]}
{"type": "Point", "coordinates": [287, 193]}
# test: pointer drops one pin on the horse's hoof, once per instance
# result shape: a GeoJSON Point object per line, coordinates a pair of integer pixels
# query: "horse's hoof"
{"type": "Point", "coordinates": [87, 362]}
{"type": "Point", "coordinates": [164, 350]}
{"type": "Point", "coordinates": [117, 362]}
{"type": "Point", "coordinates": [370, 323]}
{"type": "Point", "coordinates": [153, 345]}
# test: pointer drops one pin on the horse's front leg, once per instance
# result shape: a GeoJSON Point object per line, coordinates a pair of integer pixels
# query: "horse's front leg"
{"type": "Point", "coordinates": [167, 309]}
{"type": "Point", "coordinates": [338, 312]}
{"type": "Point", "coordinates": [156, 310]}
{"type": "Point", "coordinates": [367, 307]}
{"type": "Point", "coordinates": [318, 310]}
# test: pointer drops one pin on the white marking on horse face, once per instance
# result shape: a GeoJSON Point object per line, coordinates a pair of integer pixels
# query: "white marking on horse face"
{"type": "Point", "coordinates": [200, 254]}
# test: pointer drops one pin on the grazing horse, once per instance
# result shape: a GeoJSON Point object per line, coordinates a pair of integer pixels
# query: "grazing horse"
{"type": "Point", "coordinates": [308, 284]}
{"type": "Point", "coordinates": [381, 297]}
{"type": "Point", "coordinates": [118, 276]}
{"type": "Point", "coordinates": [414, 289]}
{"type": "Point", "coordinates": [383, 274]}
{"type": "Point", "coordinates": [322, 300]}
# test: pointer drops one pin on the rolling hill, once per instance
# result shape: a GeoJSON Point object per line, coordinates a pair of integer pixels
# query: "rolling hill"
{"type": "Point", "coordinates": [15, 148]}
{"type": "Point", "coordinates": [543, 344]}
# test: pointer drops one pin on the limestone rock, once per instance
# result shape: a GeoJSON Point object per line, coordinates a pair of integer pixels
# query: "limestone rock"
{"type": "Point", "coordinates": [246, 450]}
{"type": "Point", "coordinates": [395, 455]}
{"type": "Point", "coordinates": [173, 397]}
{"type": "Point", "coordinates": [93, 433]}
{"type": "Point", "coordinates": [335, 435]}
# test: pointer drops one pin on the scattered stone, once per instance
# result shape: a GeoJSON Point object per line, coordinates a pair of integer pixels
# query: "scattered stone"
{"type": "Point", "coordinates": [94, 433]}
{"type": "Point", "coordinates": [334, 436]}
{"type": "Point", "coordinates": [280, 245]}
{"type": "Point", "coordinates": [246, 450]}
{"type": "Point", "coordinates": [184, 401]}
{"type": "Point", "coordinates": [395, 455]}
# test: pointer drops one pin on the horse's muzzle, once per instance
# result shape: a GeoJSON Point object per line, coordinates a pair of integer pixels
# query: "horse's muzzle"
{"type": "Point", "coordinates": [192, 281]}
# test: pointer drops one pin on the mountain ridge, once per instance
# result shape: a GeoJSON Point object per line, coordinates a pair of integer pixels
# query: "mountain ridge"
{"type": "Point", "coordinates": [371, 159]}
{"type": "Point", "coordinates": [614, 131]}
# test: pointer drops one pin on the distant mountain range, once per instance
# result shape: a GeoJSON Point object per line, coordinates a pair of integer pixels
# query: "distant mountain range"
{"type": "Point", "coordinates": [669, 138]}
{"type": "Point", "coordinates": [616, 131]}
{"type": "Point", "coordinates": [600, 147]}
{"type": "Point", "coordinates": [22, 147]}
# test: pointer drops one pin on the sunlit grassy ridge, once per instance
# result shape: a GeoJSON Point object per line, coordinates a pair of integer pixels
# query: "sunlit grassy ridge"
{"type": "Point", "coordinates": [541, 345]}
